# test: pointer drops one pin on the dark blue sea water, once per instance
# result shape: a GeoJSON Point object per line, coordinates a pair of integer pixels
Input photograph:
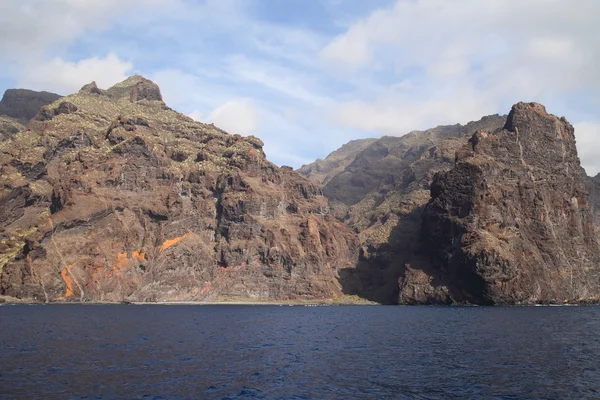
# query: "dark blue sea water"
{"type": "Point", "coordinates": [272, 352]}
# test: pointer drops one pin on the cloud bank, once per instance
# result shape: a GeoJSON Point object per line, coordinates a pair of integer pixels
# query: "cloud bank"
{"type": "Point", "coordinates": [307, 77]}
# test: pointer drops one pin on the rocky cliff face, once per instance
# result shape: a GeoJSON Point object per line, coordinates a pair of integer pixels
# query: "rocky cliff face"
{"type": "Point", "coordinates": [22, 104]}
{"type": "Point", "coordinates": [111, 195]}
{"type": "Point", "coordinates": [510, 222]}
{"type": "Point", "coordinates": [382, 193]}
{"type": "Point", "coordinates": [593, 187]}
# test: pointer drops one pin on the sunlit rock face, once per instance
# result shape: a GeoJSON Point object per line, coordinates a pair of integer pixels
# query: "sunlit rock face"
{"type": "Point", "coordinates": [593, 186]}
{"type": "Point", "coordinates": [111, 195]}
{"type": "Point", "coordinates": [380, 187]}
{"type": "Point", "coordinates": [511, 222]}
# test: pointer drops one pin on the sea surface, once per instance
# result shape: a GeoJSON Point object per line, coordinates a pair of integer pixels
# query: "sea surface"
{"type": "Point", "coordinates": [299, 352]}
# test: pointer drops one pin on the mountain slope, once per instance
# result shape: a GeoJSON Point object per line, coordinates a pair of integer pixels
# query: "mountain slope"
{"type": "Point", "coordinates": [8, 127]}
{"type": "Point", "coordinates": [111, 195]}
{"type": "Point", "coordinates": [322, 171]}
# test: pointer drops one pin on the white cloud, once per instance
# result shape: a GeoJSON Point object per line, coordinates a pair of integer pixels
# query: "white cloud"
{"type": "Point", "coordinates": [65, 77]}
{"type": "Point", "coordinates": [236, 116]}
{"type": "Point", "coordinates": [464, 59]}
{"type": "Point", "coordinates": [196, 116]}
{"type": "Point", "coordinates": [397, 115]}
{"type": "Point", "coordinates": [28, 28]}
{"type": "Point", "coordinates": [588, 145]}
{"type": "Point", "coordinates": [287, 81]}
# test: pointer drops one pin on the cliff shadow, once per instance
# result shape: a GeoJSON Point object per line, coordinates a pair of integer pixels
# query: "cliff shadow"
{"type": "Point", "coordinates": [379, 267]}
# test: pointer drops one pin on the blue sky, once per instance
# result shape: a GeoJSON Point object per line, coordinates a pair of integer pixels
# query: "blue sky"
{"type": "Point", "coordinates": [307, 76]}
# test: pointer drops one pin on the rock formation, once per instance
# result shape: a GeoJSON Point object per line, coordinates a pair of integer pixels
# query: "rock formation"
{"type": "Point", "coordinates": [22, 104]}
{"type": "Point", "coordinates": [593, 187]}
{"type": "Point", "coordinates": [111, 195]}
{"type": "Point", "coordinates": [381, 194]}
{"type": "Point", "coordinates": [511, 222]}
{"type": "Point", "coordinates": [8, 127]}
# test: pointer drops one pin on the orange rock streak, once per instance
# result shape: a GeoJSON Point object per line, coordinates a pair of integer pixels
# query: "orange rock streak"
{"type": "Point", "coordinates": [65, 274]}
{"type": "Point", "coordinates": [138, 255]}
{"type": "Point", "coordinates": [172, 242]}
{"type": "Point", "coordinates": [121, 261]}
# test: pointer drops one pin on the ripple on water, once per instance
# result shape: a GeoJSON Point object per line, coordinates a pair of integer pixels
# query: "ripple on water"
{"type": "Point", "coordinates": [268, 352]}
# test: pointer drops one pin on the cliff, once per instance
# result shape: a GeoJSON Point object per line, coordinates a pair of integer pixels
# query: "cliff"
{"type": "Point", "coordinates": [111, 195]}
{"type": "Point", "coordinates": [510, 223]}
{"type": "Point", "coordinates": [22, 104]}
{"type": "Point", "coordinates": [593, 187]}
{"type": "Point", "coordinates": [382, 193]}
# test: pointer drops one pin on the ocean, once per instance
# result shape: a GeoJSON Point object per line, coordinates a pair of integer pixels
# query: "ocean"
{"type": "Point", "coordinates": [298, 352]}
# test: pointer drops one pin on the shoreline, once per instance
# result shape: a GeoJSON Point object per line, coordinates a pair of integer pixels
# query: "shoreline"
{"type": "Point", "coordinates": [4, 300]}
{"type": "Point", "coordinates": [348, 300]}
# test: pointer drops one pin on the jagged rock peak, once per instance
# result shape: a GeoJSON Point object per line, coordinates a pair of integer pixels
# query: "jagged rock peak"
{"type": "Point", "coordinates": [511, 222]}
{"type": "Point", "coordinates": [529, 116]}
{"type": "Point", "coordinates": [543, 139]}
{"type": "Point", "coordinates": [91, 88]}
{"type": "Point", "coordinates": [136, 88]}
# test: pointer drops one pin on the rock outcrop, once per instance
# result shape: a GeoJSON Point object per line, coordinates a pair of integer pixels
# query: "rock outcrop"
{"type": "Point", "coordinates": [111, 195]}
{"type": "Point", "coordinates": [22, 104]}
{"type": "Point", "coordinates": [381, 194]}
{"type": "Point", "coordinates": [8, 127]}
{"type": "Point", "coordinates": [511, 223]}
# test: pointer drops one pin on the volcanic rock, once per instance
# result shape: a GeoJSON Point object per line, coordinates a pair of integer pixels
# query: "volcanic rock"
{"type": "Point", "coordinates": [91, 88]}
{"type": "Point", "coordinates": [381, 193]}
{"type": "Point", "coordinates": [145, 89]}
{"type": "Point", "coordinates": [8, 127]}
{"type": "Point", "coordinates": [322, 171]}
{"type": "Point", "coordinates": [511, 223]}
{"type": "Point", "coordinates": [116, 197]}
{"type": "Point", "coordinates": [593, 187]}
{"type": "Point", "coordinates": [22, 105]}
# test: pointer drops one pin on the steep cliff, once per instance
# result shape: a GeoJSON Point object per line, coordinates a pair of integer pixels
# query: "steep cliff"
{"type": "Point", "coordinates": [510, 223]}
{"type": "Point", "coordinates": [111, 195]}
{"type": "Point", "coordinates": [22, 104]}
{"type": "Point", "coordinates": [593, 187]}
{"type": "Point", "coordinates": [381, 195]}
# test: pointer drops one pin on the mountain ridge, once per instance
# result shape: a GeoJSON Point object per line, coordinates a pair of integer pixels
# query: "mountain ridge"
{"type": "Point", "coordinates": [110, 195]}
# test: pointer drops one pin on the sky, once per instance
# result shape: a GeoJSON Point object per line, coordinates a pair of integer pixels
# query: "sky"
{"type": "Point", "coordinates": [307, 76]}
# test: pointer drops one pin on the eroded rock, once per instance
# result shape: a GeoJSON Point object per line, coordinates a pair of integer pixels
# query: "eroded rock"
{"type": "Point", "coordinates": [117, 197]}
{"type": "Point", "coordinates": [511, 223]}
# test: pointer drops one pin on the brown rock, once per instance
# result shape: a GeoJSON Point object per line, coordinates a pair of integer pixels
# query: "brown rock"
{"type": "Point", "coordinates": [380, 188]}
{"type": "Point", "coordinates": [22, 105]}
{"type": "Point", "coordinates": [593, 187]}
{"type": "Point", "coordinates": [114, 200]}
{"type": "Point", "coordinates": [9, 127]}
{"type": "Point", "coordinates": [511, 222]}
{"type": "Point", "coordinates": [145, 90]}
{"type": "Point", "coordinates": [91, 88]}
